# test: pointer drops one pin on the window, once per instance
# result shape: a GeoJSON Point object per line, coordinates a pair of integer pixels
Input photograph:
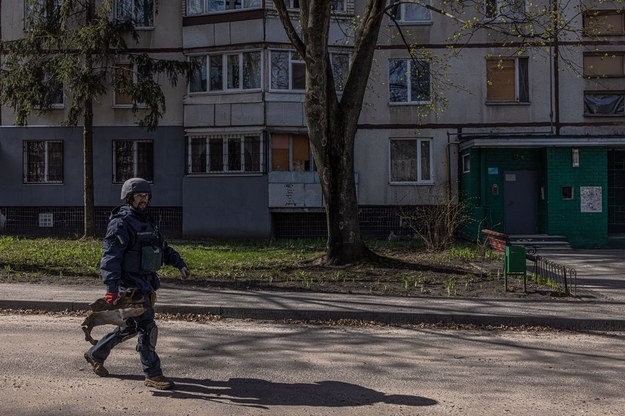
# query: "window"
{"type": "Point", "coordinates": [291, 153]}
{"type": "Point", "coordinates": [411, 160]}
{"type": "Point", "coordinates": [288, 71]}
{"type": "Point", "coordinates": [505, 10]}
{"type": "Point", "coordinates": [236, 153]}
{"type": "Point", "coordinates": [43, 161]}
{"type": "Point", "coordinates": [132, 159]}
{"type": "Point", "coordinates": [37, 12]}
{"type": "Point", "coordinates": [607, 103]}
{"type": "Point", "coordinates": [125, 76]}
{"type": "Point", "coordinates": [409, 81]}
{"type": "Point", "coordinates": [340, 69]}
{"type": "Point", "coordinates": [51, 92]}
{"type": "Point", "coordinates": [507, 80]}
{"type": "Point", "coordinates": [466, 163]}
{"type": "Point", "coordinates": [337, 5]}
{"type": "Point", "coordinates": [567, 192]}
{"type": "Point", "coordinates": [604, 22]}
{"type": "Point", "coordinates": [608, 64]}
{"type": "Point", "coordinates": [411, 12]}
{"type": "Point", "coordinates": [140, 12]}
{"type": "Point", "coordinates": [199, 7]}
{"type": "Point", "coordinates": [227, 72]}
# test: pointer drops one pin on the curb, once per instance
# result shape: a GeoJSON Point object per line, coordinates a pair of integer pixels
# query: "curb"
{"type": "Point", "coordinates": [389, 318]}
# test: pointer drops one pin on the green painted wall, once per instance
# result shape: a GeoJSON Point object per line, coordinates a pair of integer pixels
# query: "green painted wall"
{"type": "Point", "coordinates": [556, 215]}
{"type": "Point", "coordinates": [565, 217]}
{"type": "Point", "coordinates": [505, 160]}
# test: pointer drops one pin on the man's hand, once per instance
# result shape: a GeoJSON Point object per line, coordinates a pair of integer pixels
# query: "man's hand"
{"type": "Point", "coordinates": [185, 273]}
{"type": "Point", "coordinates": [110, 297]}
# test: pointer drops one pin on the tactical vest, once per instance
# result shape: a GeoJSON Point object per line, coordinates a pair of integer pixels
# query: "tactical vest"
{"type": "Point", "coordinates": [145, 251]}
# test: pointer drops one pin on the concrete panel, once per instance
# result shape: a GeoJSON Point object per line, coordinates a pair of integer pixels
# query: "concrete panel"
{"type": "Point", "coordinates": [274, 31]}
{"type": "Point", "coordinates": [371, 159]}
{"type": "Point", "coordinates": [246, 31]}
{"type": "Point", "coordinates": [222, 114]}
{"type": "Point", "coordinates": [295, 195]}
{"type": "Point", "coordinates": [285, 114]}
{"type": "Point", "coordinates": [226, 206]}
{"type": "Point", "coordinates": [222, 33]}
{"type": "Point", "coordinates": [169, 159]}
{"type": "Point", "coordinates": [198, 36]}
{"type": "Point", "coordinates": [13, 192]}
{"type": "Point", "coordinates": [247, 114]}
{"type": "Point", "coordinates": [168, 147]}
{"type": "Point", "coordinates": [199, 115]}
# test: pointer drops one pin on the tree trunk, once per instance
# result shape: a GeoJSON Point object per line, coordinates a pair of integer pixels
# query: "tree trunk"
{"type": "Point", "coordinates": [87, 136]}
{"type": "Point", "coordinates": [89, 209]}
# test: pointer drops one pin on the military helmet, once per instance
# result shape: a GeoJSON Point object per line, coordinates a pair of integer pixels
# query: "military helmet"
{"type": "Point", "coordinates": [135, 186]}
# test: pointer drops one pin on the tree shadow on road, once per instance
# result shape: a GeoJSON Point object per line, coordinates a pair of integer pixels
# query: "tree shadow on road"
{"type": "Point", "coordinates": [261, 393]}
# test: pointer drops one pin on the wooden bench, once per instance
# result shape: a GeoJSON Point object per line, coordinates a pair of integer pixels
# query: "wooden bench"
{"type": "Point", "coordinates": [496, 241]}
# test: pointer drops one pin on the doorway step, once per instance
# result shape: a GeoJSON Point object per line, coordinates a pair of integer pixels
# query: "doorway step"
{"type": "Point", "coordinates": [540, 241]}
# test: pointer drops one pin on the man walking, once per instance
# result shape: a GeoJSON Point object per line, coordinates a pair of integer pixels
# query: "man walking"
{"type": "Point", "coordinates": [133, 250]}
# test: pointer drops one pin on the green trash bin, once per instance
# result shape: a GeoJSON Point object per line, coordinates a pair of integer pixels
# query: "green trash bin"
{"type": "Point", "coordinates": [515, 264]}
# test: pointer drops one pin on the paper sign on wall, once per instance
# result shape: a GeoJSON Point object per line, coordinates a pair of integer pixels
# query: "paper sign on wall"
{"type": "Point", "coordinates": [591, 198]}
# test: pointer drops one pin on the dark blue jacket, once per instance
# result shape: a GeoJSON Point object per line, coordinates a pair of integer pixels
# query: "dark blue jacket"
{"type": "Point", "coordinates": [120, 267]}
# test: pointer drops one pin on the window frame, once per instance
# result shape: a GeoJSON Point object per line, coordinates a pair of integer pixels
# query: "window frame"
{"type": "Point", "coordinates": [602, 55]}
{"type": "Point", "coordinates": [290, 5]}
{"type": "Point", "coordinates": [135, 160]}
{"type": "Point", "coordinates": [518, 93]}
{"type": "Point", "coordinates": [225, 154]}
{"type": "Point", "coordinates": [495, 14]}
{"type": "Point", "coordinates": [602, 13]}
{"type": "Point", "coordinates": [291, 168]}
{"type": "Point", "coordinates": [225, 72]}
{"type": "Point", "coordinates": [135, 76]}
{"type": "Point", "coordinates": [28, 9]}
{"type": "Point", "coordinates": [133, 15]}
{"type": "Point", "coordinates": [403, 21]}
{"type": "Point", "coordinates": [205, 6]}
{"type": "Point", "coordinates": [410, 101]}
{"type": "Point", "coordinates": [26, 174]}
{"type": "Point", "coordinates": [290, 64]}
{"type": "Point", "coordinates": [419, 168]}
{"type": "Point", "coordinates": [466, 162]}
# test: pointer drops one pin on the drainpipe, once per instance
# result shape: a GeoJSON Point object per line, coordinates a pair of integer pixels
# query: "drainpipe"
{"type": "Point", "coordinates": [448, 161]}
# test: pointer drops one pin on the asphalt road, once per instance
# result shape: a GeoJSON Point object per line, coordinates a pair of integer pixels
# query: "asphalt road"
{"type": "Point", "coordinates": [234, 367]}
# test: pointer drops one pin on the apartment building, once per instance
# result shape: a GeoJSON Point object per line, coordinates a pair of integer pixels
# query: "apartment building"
{"type": "Point", "coordinates": [532, 145]}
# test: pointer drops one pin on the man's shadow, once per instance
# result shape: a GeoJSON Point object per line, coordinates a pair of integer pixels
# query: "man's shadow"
{"type": "Point", "coordinates": [262, 393]}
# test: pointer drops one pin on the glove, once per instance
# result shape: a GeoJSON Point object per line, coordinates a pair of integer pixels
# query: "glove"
{"type": "Point", "coordinates": [110, 297]}
{"type": "Point", "coordinates": [185, 273]}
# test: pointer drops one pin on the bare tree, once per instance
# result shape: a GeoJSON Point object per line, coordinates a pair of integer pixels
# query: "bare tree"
{"type": "Point", "coordinates": [332, 121]}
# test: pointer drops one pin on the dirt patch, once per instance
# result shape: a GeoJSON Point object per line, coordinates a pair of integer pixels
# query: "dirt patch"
{"type": "Point", "coordinates": [395, 273]}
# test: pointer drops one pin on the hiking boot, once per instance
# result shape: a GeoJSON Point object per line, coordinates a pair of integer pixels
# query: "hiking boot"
{"type": "Point", "coordinates": [159, 382]}
{"type": "Point", "coordinates": [97, 366]}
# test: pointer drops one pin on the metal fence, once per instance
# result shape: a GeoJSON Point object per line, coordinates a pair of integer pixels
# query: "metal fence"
{"type": "Point", "coordinates": [561, 277]}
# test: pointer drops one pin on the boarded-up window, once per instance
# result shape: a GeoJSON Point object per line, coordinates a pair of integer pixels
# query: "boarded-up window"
{"type": "Point", "coordinates": [290, 153]}
{"type": "Point", "coordinates": [507, 80]}
{"type": "Point", "coordinates": [607, 64]}
{"type": "Point", "coordinates": [280, 152]}
{"type": "Point", "coordinates": [123, 76]}
{"type": "Point", "coordinates": [605, 22]}
{"type": "Point", "coordinates": [301, 153]}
